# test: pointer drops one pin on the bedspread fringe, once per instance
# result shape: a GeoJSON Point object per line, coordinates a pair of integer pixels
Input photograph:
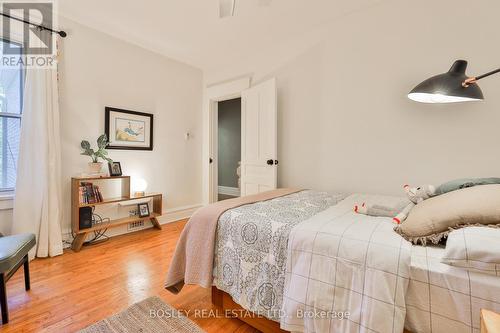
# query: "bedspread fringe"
{"type": "Point", "coordinates": [436, 238]}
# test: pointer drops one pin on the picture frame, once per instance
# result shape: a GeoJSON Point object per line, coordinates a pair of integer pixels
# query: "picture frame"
{"type": "Point", "coordinates": [128, 130]}
{"type": "Point", "coordinates": [143, 209]}
{"type": "Point", "coordinates": [115, 169]}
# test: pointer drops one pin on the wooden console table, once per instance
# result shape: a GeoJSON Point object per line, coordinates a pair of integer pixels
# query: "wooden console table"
{"type": "Point", "coordinates": [81, 234]}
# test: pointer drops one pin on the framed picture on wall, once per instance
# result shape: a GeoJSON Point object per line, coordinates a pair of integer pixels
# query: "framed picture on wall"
{"type": "Point", "coordinates": [129, 130]}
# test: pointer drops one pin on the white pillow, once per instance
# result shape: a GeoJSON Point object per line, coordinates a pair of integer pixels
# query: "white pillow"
{"type": "Point", "coordinates": [475, 249]}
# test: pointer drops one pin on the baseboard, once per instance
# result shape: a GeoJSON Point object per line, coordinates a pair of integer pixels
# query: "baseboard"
{"type": "Point", "coordinates": [178, 213]}
{"type": "Point", "coordinates": [168, 216]}
{"type": "Point", "coordinates": [226, 190]}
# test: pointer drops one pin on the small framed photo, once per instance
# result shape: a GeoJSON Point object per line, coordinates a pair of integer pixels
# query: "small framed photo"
{"type": "Point", "coordinates": [129, 130]}
{"type": "Point", "coordinates": [115, 169]}
{"type": "Point", "coordinates": [143, 209]}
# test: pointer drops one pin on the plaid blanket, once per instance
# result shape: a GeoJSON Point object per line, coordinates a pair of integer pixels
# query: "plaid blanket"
{"type": "Point", "coordinates": [346, 272]}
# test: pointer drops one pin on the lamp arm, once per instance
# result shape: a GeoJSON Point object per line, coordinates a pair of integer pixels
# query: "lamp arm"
{"type": "Point", "coordinates": [472, 80]}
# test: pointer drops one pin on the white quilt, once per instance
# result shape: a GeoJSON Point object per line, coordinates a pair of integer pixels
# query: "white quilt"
{"type": "Point", "coordinates": [345, 272]}
{"type": "Point", "coordinates": [442, 298]}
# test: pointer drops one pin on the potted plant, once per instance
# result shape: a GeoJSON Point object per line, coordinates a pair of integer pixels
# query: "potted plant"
{"type": "Point", "coordinates": [95, 166]}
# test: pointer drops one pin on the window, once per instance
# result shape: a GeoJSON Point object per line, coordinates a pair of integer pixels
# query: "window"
{"type": "Point", "coordinates": [11, 104]}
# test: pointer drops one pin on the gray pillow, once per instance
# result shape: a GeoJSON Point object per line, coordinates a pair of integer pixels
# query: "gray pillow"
{"type": "Point", "coordinates": [432, 219]}
{"type": "Point", "coordinates": [458, 184]}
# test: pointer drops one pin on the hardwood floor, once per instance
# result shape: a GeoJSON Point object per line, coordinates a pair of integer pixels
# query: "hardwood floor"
{"type": "Point", "coordinates": [74, 290]}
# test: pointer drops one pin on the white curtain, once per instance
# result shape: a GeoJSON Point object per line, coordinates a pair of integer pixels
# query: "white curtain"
{"type": "Point", "coordinates": [37, 202]}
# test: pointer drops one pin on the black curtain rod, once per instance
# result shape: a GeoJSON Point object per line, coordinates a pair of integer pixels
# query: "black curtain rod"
{"type": "Point", "coordinates": [60, 33]}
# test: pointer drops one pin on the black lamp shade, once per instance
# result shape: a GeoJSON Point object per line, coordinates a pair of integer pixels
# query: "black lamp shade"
{"type": "Point", "coordinates": [447, 87]}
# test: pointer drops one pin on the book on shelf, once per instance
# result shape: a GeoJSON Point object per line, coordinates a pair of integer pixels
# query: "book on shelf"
{"type": "Point", "coordinates": [89, 193]}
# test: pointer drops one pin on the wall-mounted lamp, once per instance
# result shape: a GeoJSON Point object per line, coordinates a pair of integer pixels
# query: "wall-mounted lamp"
{"type": "Point", "coordinates": [450, 87]}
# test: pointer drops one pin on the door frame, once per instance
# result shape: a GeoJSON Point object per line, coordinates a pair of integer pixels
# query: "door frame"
{"type": "Point", "coordinates": [215, 94]}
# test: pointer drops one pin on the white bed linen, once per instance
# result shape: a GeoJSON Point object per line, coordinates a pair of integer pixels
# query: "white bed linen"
{"type": "Point", "coordinates": [442, 298]}
{"type": "Point", "coordinates": [476, 249]}
{"type": "Point", "coordinates": [342, 261]}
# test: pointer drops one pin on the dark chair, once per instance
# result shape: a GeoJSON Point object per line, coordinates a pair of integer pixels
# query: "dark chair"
{"type": "Point", "coordinates": [13, 253]}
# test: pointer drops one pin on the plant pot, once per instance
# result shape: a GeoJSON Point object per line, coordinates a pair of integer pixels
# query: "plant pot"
{"type": "Point", "coordinates": [95, 167]}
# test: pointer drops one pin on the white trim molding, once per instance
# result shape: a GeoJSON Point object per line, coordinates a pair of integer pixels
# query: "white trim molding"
{"type": "Point", "coordinates": [178, 213]}
{"type": "Point", "coordinates": [213, 94]}
{"type": "Point", "coordinates": [227, 90]}
{"type": "Point", "coordinates": [226, 190]}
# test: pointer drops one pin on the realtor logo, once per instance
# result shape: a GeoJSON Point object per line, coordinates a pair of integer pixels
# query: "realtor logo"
{"type": "Point", "coordinates": [35, 39]}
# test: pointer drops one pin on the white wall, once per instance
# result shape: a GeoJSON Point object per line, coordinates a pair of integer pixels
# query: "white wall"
{"type": "Point", "coordinates": [97, 70]}
{"type": "Point", "coordinates": [345, 123]}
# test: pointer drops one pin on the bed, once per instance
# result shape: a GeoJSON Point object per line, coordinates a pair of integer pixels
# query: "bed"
{"type": "Point", "coordinates": [443, 298]}
{"type": "Point", "coordinates": [306, 262]}
{"type": "Point", "coordinates": [331, 260]}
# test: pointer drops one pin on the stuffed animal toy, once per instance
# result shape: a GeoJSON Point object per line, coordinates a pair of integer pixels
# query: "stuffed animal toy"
{"type": "Point", "coordinates": [416, 195]}
{"type": "Point", "coordinates": [377, 210]}
{"type": "Point", "coordinates": [399, 213]}
{"type": "Point", "coordinates": [403, 214]}
{"type": "Point", "coordinates": [419, 194]}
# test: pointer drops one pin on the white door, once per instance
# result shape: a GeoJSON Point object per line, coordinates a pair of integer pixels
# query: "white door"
{"type": "Point", "coordinates": [259, 138]}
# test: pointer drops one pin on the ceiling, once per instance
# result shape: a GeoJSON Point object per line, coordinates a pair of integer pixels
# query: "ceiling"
{"type": "Point", "coordinates": [192, 32]}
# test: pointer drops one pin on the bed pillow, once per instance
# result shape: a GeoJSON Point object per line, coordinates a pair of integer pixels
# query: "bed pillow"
{"type": "Point", "coordinates": [432, 219]}
{"type": "Point", "coordinates": [475, 249]}
{"type": "Point", "coordinates": [458, 184]}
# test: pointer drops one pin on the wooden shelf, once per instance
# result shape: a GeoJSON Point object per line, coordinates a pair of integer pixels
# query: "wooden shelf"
{"type": "Point", "coordinates": [99, 178]}
{"type": "Point", "coordinates": [81, 234]}
{"type": "Point", "coordinates": [120, 199]}
{"type": "Point", "coordinates": [118, 222]}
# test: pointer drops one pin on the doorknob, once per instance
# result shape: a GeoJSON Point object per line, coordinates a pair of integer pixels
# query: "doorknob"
{"type": "Point", "coordinates": [276, 162]}
{"type": "Point", "coordinates": [270, 162]}
{"type": "Point", "coordinates": [210, 160]}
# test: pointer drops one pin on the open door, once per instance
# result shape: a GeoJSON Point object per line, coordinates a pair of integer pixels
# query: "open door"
{"type": "Point", "coordinates": [259, 138]}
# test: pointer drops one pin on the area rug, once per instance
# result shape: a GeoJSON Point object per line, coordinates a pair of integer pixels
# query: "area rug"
{"type": "Point", "coordinates": [151, 315]}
